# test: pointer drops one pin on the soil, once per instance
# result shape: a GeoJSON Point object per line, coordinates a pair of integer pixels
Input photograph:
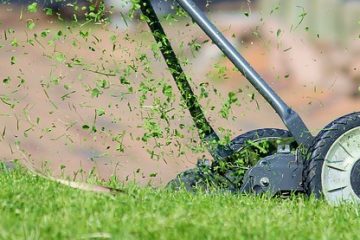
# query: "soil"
{"type": "Point", "coordinates": [47, 123]}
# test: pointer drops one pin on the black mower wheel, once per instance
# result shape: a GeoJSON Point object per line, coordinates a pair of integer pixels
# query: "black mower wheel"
{"type": "Point", "coordinates": [195, 178]}
{"type": "Point", "coordinates": [238, 143]}
{"type": "Point", "coordinates": [332, 165]}
{"type": "Point", "coordinates": [188, 180]}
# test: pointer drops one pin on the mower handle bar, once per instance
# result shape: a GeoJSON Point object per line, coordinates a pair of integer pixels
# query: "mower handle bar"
{"type": "Point", "coordinates": [290, 118]}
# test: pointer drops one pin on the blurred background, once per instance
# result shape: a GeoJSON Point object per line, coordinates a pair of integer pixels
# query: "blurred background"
{"type": "Point", "coordinates": [76, 74]}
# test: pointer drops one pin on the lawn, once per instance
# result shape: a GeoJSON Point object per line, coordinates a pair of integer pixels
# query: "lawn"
{"type": "Point", "coordinates": [34, 208]}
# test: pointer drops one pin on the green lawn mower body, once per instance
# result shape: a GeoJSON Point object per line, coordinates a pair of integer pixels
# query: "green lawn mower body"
{"type": "Point", "coordinates": [327, 165]}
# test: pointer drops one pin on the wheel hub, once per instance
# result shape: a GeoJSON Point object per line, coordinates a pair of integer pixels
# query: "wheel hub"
{"type": "Point", "coordinates": [355, 178]}
{"type": "Point", "coordinates": [341, 169]}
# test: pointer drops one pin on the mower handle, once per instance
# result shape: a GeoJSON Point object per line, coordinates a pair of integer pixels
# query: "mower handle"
{"type": "Point", "coordinates": [290, 118]}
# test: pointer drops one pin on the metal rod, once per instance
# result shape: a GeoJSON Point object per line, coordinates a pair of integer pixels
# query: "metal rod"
{"type": "Point", "coordinates": [291, 119]}
{"type": "Point", "coordinates": [239, 61]}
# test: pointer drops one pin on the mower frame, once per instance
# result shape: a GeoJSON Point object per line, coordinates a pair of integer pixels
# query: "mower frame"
{"type": "Point", "coordinates": [276, 174]}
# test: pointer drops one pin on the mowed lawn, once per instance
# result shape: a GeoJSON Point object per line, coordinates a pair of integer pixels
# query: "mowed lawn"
{"type": "Point", "coordinates": [34, 208]}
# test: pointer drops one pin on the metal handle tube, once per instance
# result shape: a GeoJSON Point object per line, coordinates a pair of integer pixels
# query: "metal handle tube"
{"type": "Point", "coordinates": [291, 119]}
{"type": "Point", "coordinates": [239, 61]}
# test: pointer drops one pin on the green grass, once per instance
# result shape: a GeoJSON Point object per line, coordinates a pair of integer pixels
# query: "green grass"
{"type": "Point", "coordinates": [34, 208]}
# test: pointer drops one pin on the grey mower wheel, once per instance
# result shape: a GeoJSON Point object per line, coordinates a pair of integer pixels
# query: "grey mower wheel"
{"type": "Point", "coordinates": [332, 168]}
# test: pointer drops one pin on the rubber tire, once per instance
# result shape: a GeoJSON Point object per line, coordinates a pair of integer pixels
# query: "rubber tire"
{"type": "Point", "coordinates": [239, 142]}
{"type": "Point", "coordinates": [316, 154]}
{"type": "Point", "coordinates": [189, 178]}
{"type": "Point", "coordinates": [186, 180]}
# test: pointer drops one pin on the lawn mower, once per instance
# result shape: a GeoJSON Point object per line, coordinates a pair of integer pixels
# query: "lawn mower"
{"type": "Point", "coordinates": [327, 165]}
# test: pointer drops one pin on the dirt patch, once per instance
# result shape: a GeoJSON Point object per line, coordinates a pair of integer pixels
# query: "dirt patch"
{"type": "Point", "coordinates": [54, 106]}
